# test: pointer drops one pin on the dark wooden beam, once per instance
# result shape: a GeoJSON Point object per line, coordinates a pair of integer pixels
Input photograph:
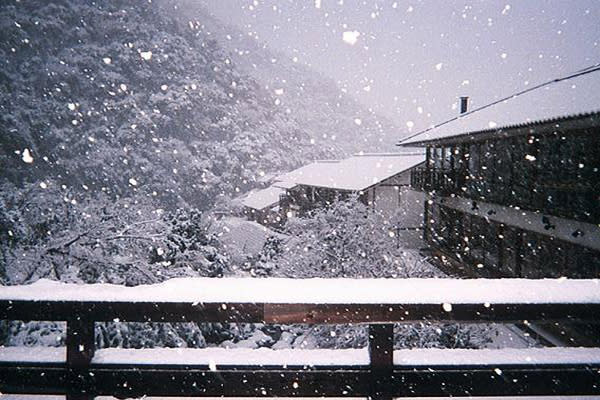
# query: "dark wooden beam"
{"type": "Point", "coordinates": [381, 355]}
{"type": "Point", "coordinates": [405, 381]}
{"type": "Point", "coordinates": [133, 312]}
{"type": "Point", "coordinates": [388, 313]}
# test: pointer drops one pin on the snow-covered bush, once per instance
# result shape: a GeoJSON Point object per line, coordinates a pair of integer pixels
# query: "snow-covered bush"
{"type": "Point", "coordinates": [346, 239]}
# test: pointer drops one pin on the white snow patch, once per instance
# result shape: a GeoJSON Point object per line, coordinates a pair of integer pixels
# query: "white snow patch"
{"type": "Point", "coordinates": [146, 55]}
{"type": "Point", "coordinates": [322, 291]}
{"type": "Point", "coordinates": [358, 121]}
{"type": "Point", "coordinates": [214, 358]}
{"type": "Point", "coordinates": [133, 182]}
{"type": "Point", "coordinates": [350, 37]}
{"type": "Point", "coordinates": [26, 156]}
{"type": "Point", "coordinates": [107, 60]}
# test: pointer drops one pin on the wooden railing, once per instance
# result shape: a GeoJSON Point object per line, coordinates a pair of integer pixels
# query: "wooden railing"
{"type": "Point", "coordinates": [441, 181]}
{"type": "Point", "coordinates": [85, 372]}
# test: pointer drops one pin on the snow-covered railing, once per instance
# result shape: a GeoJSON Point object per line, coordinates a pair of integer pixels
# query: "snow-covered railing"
{"type": "Point", "coordinates": [82, 372]}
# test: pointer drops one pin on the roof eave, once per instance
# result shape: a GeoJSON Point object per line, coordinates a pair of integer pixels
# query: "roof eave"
{"type": "Point", "coordinates": [579, 121]}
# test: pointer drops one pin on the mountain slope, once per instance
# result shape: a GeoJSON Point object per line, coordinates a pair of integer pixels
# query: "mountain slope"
{"type": "Point", "coordinates": [130, 99]}
{"type": "Point", "coordinates": [333, 119]}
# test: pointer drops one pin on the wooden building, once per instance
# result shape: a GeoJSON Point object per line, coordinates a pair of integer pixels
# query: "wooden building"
{"type": "Point", "coordinates": [514, 189]}
{"type": "Point", "coordinates": [263, 206]}
{"type": "Point", "coordinates": [381, 180]}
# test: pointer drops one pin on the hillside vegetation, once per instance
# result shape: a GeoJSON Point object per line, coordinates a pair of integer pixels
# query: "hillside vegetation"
{"type": "Point", "coordinates": [130, 98]}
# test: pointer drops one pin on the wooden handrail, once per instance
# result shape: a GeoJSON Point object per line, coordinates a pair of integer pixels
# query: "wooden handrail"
{"type": "Point", "coordinates": [373, 302]}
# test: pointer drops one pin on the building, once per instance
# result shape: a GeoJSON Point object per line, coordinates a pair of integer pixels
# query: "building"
{"type": "Point", "coordinates": [381, 181]}
{"type": "Point", "coordinates": [514, 189]}
{"type": "Point", "coordinates": [262, 205]}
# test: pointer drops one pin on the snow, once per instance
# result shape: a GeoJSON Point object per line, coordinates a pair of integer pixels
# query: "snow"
{"type": "Point", "coordinates": [306, 172]}
{"type": "Point", "coordinates": [241, 238]}
{"type": "Point", "coordinates": [221, 357]}
{"type": "Point", "coordinates": [33, 354]}
{"type": "Point", "coordinates": [265, 198]}
{"type": "Point", "coordinates": [350, 37]}
{"type": "Point", "coordinates": [322, 291]}
{"type": "Point", "coordinates": [530, 356]}
{"type": "Point", "coordinates": [284, 184]}
{"type": "Point", "coordinates": [26, 157]}
{"type": "Point", "coordinates": [362, 171]}
{"type": "Point", "coordinates": [566, 98]}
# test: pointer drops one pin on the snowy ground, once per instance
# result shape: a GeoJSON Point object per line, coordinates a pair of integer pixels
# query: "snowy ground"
{"type": "Point", "coordinates": [241, 238]}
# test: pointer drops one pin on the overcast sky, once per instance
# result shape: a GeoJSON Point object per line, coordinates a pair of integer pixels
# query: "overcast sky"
{"type": "Point", "coordinates": [410, 60]}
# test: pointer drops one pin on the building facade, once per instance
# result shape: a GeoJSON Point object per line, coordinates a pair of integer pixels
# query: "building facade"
{"type": "Point", "coordinates": [516, 201]}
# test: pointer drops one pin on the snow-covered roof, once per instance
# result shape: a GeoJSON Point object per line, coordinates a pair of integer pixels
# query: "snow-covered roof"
{"type": "Point", "coordinates": [361, 170]}
{"type": "Point", "coordinates": [567, 99]}
{"type": "Point", "coordinates": [264, 198]}
{"type": "Point", "coordinates": [306, 172]}
{"type": "Point", "coordinates": [240, 238]}
{"type": "Point", "coordinates": [284, 184]}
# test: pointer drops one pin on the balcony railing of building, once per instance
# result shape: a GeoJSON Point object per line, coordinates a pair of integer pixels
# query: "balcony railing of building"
{"type": "Point", "coordinates": [434, 180]}
{"type": "Point", "coordinates": [82, 372]}
{"type": "Point", "coordinates": [575, 200]}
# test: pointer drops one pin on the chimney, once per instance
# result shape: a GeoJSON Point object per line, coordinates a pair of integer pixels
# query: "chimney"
{"type": "Point", "coordinates": [464, 104]}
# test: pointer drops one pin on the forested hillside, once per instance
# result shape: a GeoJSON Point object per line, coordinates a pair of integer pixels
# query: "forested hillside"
{"type": "Point", "coordinates": [333, 119]}
{"type": "Point", "coordinates": [130, 98]}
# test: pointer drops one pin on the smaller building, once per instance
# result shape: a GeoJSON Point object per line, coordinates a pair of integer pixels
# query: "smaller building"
{"type": "Point", "coordinates": [262, 205]}
{"type": "Point", "coordinates": [381, 180]}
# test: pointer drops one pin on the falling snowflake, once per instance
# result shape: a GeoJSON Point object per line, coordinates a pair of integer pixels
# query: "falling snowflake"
{"type": "Point", "coordinates": [350, 37]}
{"type": "Point", "coordinates": [26, 156]}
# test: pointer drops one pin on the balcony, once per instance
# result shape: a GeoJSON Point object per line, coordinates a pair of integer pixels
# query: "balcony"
{"type": "Point", "coordinates": [82, 372]}
{"type": "Point", "coordinates": [440, 181]}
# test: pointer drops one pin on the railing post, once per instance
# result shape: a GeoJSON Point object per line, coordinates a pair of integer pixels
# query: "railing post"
{"type": "Point", "coordinates": [80, 351]}
{"type": "Point", "coordinates": [381, 354]}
